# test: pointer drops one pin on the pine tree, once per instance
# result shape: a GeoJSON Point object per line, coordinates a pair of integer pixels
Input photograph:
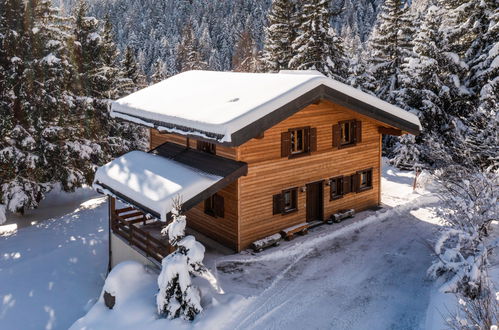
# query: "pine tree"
{"type": "Point", "coordinates": [430, 91]}
{"type": "Point", "coordinates": [245, 57]}
{"type": "Point", "coordinates": [188, 53]}
{"type": "Point", "coordinates": [131, 72]}
{"type": "Point", "coordinates": [390, 44]}
{"type": "Point", "coordinates": [160, 72]}
{"type": "Point", "coordinates": [177, 297]}
{"type": "Point", "coordinates": [317, 46]}
{"type": "Point", "coordinates": [279, 35]}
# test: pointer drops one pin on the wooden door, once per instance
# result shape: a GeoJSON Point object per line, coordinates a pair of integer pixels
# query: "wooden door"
{"type": "Point", "coordinates": [315, 209]}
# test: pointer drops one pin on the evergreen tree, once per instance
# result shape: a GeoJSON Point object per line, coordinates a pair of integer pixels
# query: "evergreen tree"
{"type": "Point", "coordinates": [429, 90]}
{"type": "Point", "coordinates": [132, 73]}
{"type": "Point", "coordinates": [317, 46]}
{"type": "Point", "coordinates": [177, 297]}
{"type": "Point", "coordinates": [279, 35]}
{"type": "Point", "coordinates": [390, 44]}
{"type": "Point", "coordinates": [188, 53]}
{"type": "Point", "coordinates": [245, 58]}
{"type": "Point", "coordinates": [160, 72]}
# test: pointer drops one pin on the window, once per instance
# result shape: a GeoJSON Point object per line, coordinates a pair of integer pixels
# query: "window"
{"type": "Point", "coordinates": [365, 178]}
{"type": "Point", "coordinates": [298, 141]}
{"type": "Point", "coordinates": [336, 185]}
{"type": "Point", "coordinates": [208, 147]}
{"type": "Point", "coordinates": [347, 133]}
{"type": "Point", "coordinates": [214, 206]}
{"type": "Point", "coordinates": [286, 201]}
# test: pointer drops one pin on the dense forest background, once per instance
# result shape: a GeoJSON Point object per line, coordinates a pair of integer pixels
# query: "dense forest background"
{"type": "Point", "coordinates": [61, 66]}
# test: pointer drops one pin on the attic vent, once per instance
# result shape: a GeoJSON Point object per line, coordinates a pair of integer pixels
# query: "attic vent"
{"type": "Point", "coordinates": [234, 100]}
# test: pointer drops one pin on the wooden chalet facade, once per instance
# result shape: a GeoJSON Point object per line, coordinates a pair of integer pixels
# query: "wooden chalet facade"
{"type": "Point", "coordinates": [317, 153]}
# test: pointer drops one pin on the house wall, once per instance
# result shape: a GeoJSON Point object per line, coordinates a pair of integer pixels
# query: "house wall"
{"type": "Point", "coordinates": [248, 201]}
{"type": "Point", "coordinates": [269, 173]}
{"type": "Point", "coordinates": [223, 230]}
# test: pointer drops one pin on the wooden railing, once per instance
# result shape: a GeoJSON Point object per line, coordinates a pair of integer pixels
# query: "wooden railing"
{"type": "Point", "coordinates": [124, 224]}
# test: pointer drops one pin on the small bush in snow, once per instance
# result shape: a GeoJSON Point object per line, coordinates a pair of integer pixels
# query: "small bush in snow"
{"type": "Point", "coordinates": [177, 297]}
{"type": "Point", "coordinates": [469, 206]}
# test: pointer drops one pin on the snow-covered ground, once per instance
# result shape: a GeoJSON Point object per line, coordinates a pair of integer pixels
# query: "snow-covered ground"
{"type": "Point", "coordinates": [364, 273]}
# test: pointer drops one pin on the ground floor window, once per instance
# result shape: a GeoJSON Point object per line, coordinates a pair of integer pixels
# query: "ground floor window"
{"type": "Point", "coordinates": [365, 178]}
{"type": "Point", "coordinates": [286, 201]}
{"type": "Point", "coordinates": [214, 206]}
{"type": "Point", "coordinates": [336, 185]}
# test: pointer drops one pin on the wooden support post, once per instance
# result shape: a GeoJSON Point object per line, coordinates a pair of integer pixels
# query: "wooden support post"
{"type": "Point", "coordinates": [111, 215]}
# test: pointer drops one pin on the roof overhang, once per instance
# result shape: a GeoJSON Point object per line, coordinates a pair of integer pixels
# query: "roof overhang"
{"type": "Point", "coordinates": [151, 181]}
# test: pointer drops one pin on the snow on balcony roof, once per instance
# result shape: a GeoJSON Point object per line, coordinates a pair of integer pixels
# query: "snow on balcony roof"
{"type": "Point", "coordinates": [215, 105]}
{"type": "Point", "coordinates": [152, 181]}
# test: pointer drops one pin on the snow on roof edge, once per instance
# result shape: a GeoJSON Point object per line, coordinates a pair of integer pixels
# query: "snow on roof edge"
{"type": "Point", "coordinates": [223, 131]}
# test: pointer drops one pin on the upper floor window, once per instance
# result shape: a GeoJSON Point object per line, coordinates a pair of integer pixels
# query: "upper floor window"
{"type": "Point", "coordinates": [347, 133]}
{"type": "Point", "coordinates": [298, 141]}
{"type": "Point", "coordinates": [208, 147]}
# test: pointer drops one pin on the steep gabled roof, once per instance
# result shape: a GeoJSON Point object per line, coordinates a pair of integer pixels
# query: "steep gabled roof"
{"type": "Point", "coordinates": [233, 107]}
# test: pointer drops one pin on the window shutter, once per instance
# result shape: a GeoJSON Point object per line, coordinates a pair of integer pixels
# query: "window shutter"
{"type": "Point", "coordinates": [355, 182]}
{"type": "Point", "coordinates": [277, 204]}
{"type": "Point", "coordinates": [336, 135]}
{"type": "Point", "coordinates": [346, 185]}
{"type": "Point", "coordinates": [219, 205]}
{"type": "Point", "coordinates": [313, 139]}
{"type": "Point", "coordinates": [285, 144]}
{"type": "Point", "coordinates": [358, 131]}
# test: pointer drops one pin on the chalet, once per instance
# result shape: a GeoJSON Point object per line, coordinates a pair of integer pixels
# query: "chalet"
{"type": "Point", "coordinates": [249, 154]}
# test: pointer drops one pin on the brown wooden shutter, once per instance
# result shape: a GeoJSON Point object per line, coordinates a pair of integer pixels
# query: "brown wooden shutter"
{"type": "Point", "coordinates": [285, 144]}
{"type": "Point", "coordinates": [358, 131]}
{"type": "Point", "coordinates": [346, 185]}
{"type": "Point", "coordinates": [336, 135]}
{"type": "Point", "coordinates": [218, 206]}
{"type": "Point", "coordinates": [277, 204]}
{"type": "Point", "coordinates": [313, 139]}
{"type": "Point", "coordinates": [355, 182]}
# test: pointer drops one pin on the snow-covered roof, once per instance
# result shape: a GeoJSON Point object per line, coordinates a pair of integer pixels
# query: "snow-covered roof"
{"type": "Point", "coordinates": [221, 105]}
{"type": "Point", "coordinates": [152, 181]}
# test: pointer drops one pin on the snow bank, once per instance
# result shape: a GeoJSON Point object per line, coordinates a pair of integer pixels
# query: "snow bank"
{"type": "Point", "coordinates": [152, 180]}
{"type": "Point", "coordinates": [225, 102]}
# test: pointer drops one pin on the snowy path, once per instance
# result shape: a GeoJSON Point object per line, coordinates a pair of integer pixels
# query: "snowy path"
{"type": "Point", "coordinates": [373, 278]}
{"type": "Point", "coordinates": [51, 272]}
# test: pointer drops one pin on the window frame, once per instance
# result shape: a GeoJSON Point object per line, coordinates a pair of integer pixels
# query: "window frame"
{"type": "Point", "coordinates": [369, 179]}
{"type": "Point", "coordinates": [210, 207]}
{"type": "Point", "coordinates": [338, 184]}
{"type": "Point", "coordinates": [294, 200]}
{"type": "Point", "coordinates": [352, 133]}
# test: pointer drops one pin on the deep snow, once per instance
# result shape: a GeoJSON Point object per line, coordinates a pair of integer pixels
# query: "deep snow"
{"type": "Point", "coordinates": [364, 273]}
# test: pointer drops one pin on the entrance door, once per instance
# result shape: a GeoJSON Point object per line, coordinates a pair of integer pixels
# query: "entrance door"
{"type": "Point", "coordinates": [315, 201]}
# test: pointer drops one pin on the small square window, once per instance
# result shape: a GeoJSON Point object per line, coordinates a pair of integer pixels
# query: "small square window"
{"type": "Point", "coordinates": [208, 147]}
{"type": "Point", "coordinates": [214, 206]}
{"type": "Point", "coordinates": [336, 187]}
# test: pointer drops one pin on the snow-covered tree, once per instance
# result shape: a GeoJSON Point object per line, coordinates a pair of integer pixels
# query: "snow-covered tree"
{"type": "Point", "coordinates": [470, 204]}
{"type": "Point", "coordinates": [389, 45]}
{"type": "Point", "coordinates": [245, 57]}
{"type": "Point", "coordinates": [159, 71]}
{"type": "Point", "coordinates": [279, 35]}
{"type": "Point", "coordinates": [317, 46]}
{"type": "Point", "coordinates": [430, 90]}
{"type": "Point", "coordinates": [177, 297]}
{"type": "Point", "coordinates": [132, 71]}
{"type": "Point", "coordinates": [189, 56]}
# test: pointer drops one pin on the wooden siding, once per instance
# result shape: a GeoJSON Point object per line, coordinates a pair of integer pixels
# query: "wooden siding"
{"type": "Point", "coordinates": [269, 173]}
{"type": "Point", "coordinates": [223, 230]}
{"type": "Point", "coordinates": [157, 138]}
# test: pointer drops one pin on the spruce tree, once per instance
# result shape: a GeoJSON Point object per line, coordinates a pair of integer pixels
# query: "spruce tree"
{"type": "Point", "coordinates": [279, 35]}
{"type": "Point", "coordinates": [159, 71]}
{"type": "Point", "coordinates": [390, 44]}
{"type": "Point", "coordinates": [188, 52]}
{"type": "Point", "coordinates": [245, 57]}
{"type": "Point", "coordinates": [317, 46]}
